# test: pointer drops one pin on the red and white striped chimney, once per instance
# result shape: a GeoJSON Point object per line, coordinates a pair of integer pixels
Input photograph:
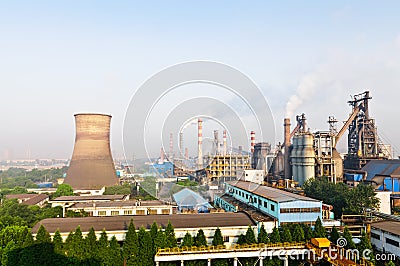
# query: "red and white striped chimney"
{"type": "Point", "coordinates": [200, 143]}
{"type": "Point", "coordinates": [186, 154]}
{"type": "Point", "coordinates": [162, 156]}
{"type": "Point", "coordinates": [253, 140]}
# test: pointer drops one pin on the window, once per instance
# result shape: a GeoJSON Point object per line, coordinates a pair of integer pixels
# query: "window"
{"type": "Point", "coordinates": [376, 236]}
{"type": "Point", "coordinates": [392, 242]}
{"type": "Point", "coordinates": [247, 196]}
{"type": "Point", "coordinates": [127, 212]}
{"type": "Point", "coordinates": [140, 212]}
{"type": "Point", "coordinates": [226, 238]}
{"type": "Point", "coordinates": [102, 213]}
{"type": "Point", "coordinates": [165, 211]}
{"type": "Point", "coordinates": [272, 207]}
{"type": "Point", "coordinates": [113, 213]}
{"type": "Point", "coordinates": [153, 211]}
{"type": "Point", "coordinates": [265, 204]}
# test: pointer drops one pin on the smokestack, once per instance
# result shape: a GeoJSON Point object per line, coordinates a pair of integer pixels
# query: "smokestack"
{"type": "Point", "coordinates": [252, 140]}
{"type": "Point", "coordinates": [216, 143]}
{"type": "Point", "coordinates": [162, 156]}
{"type": "Point", "coordinates": [186, 154]}
{"type": "Point", "coordinates": [200, 143]}
{"type": "Point", "coordinates": [240, 150]}
{"type": "Point", "coordinates": [92, 165]}
{"type": "Point", "coordinates": [224, 143]}
{"type": "Point", "coordinates": [286, 127]}
{"type": "Point", "coordinates": [181, 144]}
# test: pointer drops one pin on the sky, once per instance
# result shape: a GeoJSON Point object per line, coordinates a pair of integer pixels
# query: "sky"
{"type": "Point", "coordinates": [59, 58]}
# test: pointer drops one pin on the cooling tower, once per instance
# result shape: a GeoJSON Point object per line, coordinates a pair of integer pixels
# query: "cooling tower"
{"type": "Point", "coordinates": [91, 166]}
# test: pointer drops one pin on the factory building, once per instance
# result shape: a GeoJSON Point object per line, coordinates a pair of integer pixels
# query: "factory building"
{"type": "Point", "coordinates": [164, 169]}
{"type": "Point", "coordinates": [283, 206]}
{"type": "Point", "coordinates": [226, 167]}
{"type": "Point", "coordinates": [385, 236]}
{"type": "Point", "coordinates": [231, 225]}
{"type": "Point", "coordinates": [115, 208]}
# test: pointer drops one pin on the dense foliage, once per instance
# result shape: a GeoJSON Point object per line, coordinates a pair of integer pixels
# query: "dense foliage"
{"type": "Point", "coordinates": [343, 199]}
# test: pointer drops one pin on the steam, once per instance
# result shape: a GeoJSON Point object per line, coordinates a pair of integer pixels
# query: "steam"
{"type": "Point", "coordinates": [307, 87]}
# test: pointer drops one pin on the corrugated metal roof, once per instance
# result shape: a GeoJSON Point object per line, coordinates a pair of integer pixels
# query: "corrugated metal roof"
{"type": "Point", "coordinates": [383, 168]}
{"type": "Point", "coordinates": [120, 223]}
{"type": "Point", "coordinates": [273, 194]}
{"type": "Point", "coordinates": [118, 203]}
{"type": "Point", "coordinates": [388, 226]}
{"type": "Point", "coordinates": [91, 197]}
{"type": "Point", "coordinates": [187, 198]}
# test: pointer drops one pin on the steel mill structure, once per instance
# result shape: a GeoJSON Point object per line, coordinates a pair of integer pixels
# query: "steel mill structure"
{"type": "Point", "coordinates": [92, 165]}
{"type": "Point", "coordinates": [311, 154]}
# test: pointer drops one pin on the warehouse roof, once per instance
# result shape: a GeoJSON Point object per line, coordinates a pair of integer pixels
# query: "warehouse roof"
{"type": "Point", "coordinates": [390, 168]}
{"type": "Point", "coordinates": [273, 194]}
{"type": "Point", "coordinates": [91, 198]}
{"type": "Point", "coordinates": [387, 226]}
{"type": "Point", "coordinates": [119, 203]}
{"type": "Point", "coordinates": [118, 223]}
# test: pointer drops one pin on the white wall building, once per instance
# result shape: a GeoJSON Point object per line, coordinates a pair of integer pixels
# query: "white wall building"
{"type": "Point", "coordinates": [385, 236]}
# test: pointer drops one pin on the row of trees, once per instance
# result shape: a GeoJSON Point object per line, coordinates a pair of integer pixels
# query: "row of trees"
{"type": "Point", "coordinates": [343, 199]}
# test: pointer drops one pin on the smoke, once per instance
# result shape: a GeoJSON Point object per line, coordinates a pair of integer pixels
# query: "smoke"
{"type": "Point", "coordinates": [308, 86]}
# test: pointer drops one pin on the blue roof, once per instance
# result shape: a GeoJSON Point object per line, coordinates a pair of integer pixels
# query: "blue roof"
{"type": "Point", "coordinates": [383, 168]}
{"type": "Point", "coordinates": [187, 198]}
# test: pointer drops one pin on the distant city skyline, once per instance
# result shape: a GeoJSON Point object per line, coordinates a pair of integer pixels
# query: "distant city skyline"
{"type": "Point", "coordinates": [67, 57]}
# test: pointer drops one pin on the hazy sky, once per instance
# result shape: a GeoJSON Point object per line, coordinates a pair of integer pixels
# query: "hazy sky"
{"type": "Point", "coordinates": [58, 58]}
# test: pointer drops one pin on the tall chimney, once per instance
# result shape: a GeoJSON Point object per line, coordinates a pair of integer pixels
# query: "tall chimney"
{"type": "Point", "coordinates": [216, 142]}
{"type": "Point", "coordinates": [186, 154]}
{"type": "Point", "coordinates": [92, 165]}
{"type": "Point", "coordinates": [224, 143]}
{"type": "Point", "coordinates": [200, 143]}
{"type": "Point", "coordinates": [286, 127]}
{"type": "Point", "coordinates": [181, 149]}
{"type": "Point", "coordinates": [240, 150]}
{"type": "Point", "coordinates": [162, 156]}
{"type": "Point", "coordinates": [252, 140]}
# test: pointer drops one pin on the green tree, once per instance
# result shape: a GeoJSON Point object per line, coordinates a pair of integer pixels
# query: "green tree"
{"type": "Point", "coordinates": [308, 232]}
{"type": "Point", "coordinates": [286, 236]}
{"type": "Point", "coordinates": [365, 244]}
{"type": "Point", "coordinates": [262, 235]}
{"type": "Point", "coordinates": [58, 243]}
{"type": "Point", "coordinates": [349, 238]}
{"type": "Point", "coordinates": [250, 236]}
{"type": "Point", "coordinates": [153, 230]}
{"type": "Point", "coordinates": [42, 235]}
{"type": "Point", "coordinates": [160, 240]}
{"type": "Point", "coordinates": [114, 253]}
{"type": "Point", "coordinates": [130, 247]}
{"type": "Point", "coordinates": [77, 245]}
{"type": "Point", "coordinates": [170, 236]}
{"type": "Point", "coordinates": [63, 190]}
{"type": "Point", "coordinates": [68, 244]}
{"type": "Point", "coordinates": [298, 233]}
{"type": "Point", "coordinates": [125, 189]}
{"type": "Point", "coordinates": [103, 246]}
{"type": "Point", "coordinates": [360, 198]}
{"type": "Point", "coordinates": [187, 240]}
{"type": "Point", "coordinates": [241, 239]}
{"type": "Point", "coordinates": [275, 236]}
{"type": "Point", "coordinates": [334, 235]}
{"type": "Point", "coordinates": [217, 238]}
{"type": "Point", "coordinates": [145, 247]}
{"type": "Point", "coordinates": [90, 245]}
{"type": "Point", "coordinates": [319, 229]}
{"type": "Point", "coordinates": [200, 239]}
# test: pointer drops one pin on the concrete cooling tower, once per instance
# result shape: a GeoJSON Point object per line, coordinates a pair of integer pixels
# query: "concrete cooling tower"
{"type": "Point", "coordinates": [91, 166]}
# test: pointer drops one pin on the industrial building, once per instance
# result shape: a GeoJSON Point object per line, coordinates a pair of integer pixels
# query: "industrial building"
{"type": "Point", "coordinates": [226, 167]}
{"type": "Point", "coordinates": [115, 208]}
{"type": "Point", "coordinates": [66, 201]}
{"type": "Point", "coordinates": [385, 236]}
{"type": "Point", "coordinates": [91, 166]}
{"type": "Point", "coordinates": [283, 206]}
{"type": "Point", "coordinates": [308, 154]}
{"type": "Point", "coordinates": [30, 199]}
{"type": "Point", "coordinates": [231, 224]}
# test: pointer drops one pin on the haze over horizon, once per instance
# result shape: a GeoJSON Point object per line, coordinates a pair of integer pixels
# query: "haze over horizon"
{"type": "Point", "coordinates": [66, 57]}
